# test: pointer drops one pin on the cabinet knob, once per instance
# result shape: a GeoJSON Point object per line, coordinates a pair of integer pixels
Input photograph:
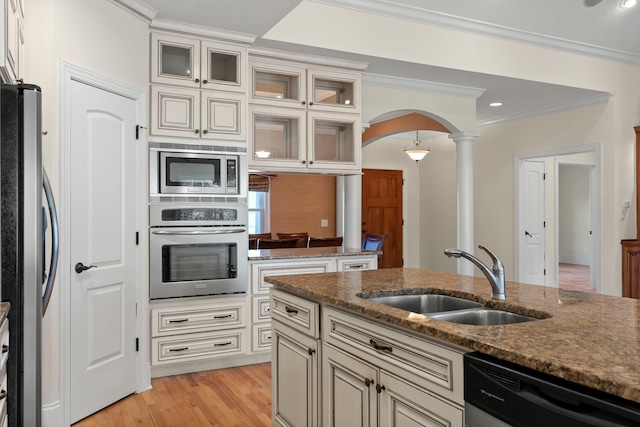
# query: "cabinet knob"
{"type": "Point", "coordinates": [304, 162]}
{"type": "Point", "coordinates": [379, 388]}
{"type": "Point", "coordinates": [310, 162]}
{"type": "Point", "coordinates": [204, 82]}
{"type": "Point", "coordinates": [197, 80]}
{"type": "Point", "coordinates": [205, 131]}
{"type": "Point", "coordinates": [197, 131]}
{"type": "Point", "coordinates": [304, 102]}
{"type": "Point", "coordinates": [311, 103]}
{"type": "Point", "coordinates": [368, 382]}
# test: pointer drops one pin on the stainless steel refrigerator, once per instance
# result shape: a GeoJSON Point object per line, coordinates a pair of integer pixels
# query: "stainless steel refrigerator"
{"type": "Point", "coordinates": [27, 280]}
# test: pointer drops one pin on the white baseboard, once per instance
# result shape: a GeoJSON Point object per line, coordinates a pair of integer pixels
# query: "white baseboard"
{"type": "Point", "coordinates": [185, 368]}
{"type": "Point", "coordinates": [52, 415]}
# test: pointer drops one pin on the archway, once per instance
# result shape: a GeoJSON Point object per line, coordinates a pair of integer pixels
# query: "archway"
{"type": "Point", "coordinates": [405, 121]}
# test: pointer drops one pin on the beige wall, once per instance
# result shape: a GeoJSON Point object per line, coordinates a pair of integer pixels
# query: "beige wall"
{"type": "Point", "coordinates": [101, 37]}
{"type": "Point", "coordinates": [299, 202]}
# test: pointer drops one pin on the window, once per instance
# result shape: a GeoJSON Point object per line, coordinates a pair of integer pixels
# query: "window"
{"type": "Point", "coordinates": [258, 212]}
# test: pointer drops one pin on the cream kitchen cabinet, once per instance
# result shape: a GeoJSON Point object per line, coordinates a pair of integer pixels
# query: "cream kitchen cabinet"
{"type": "Point", "coordinates": [295, 353]}
{"type": "Point", "coordinates": [12, 41]}
{"type": "Point", "coordinates": [192, 113]}
{"type": "Point", "coordinates": [195, 63]}
{"type": "Point", "coordinates": [286, 84]}
{"type": "Point", "coordinates": [294, 140]}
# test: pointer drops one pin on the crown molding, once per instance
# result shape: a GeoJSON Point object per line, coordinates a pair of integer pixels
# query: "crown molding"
{"type": "Point", "coordinates": [137, 8]}
{"type": "Point", "coordinates": [267, 53]}
{"type": "Point", "coordinates": [201, 31]}
{"type": "Point", "coordinates": [565, 106]}
{"type": "Point", "coordinates": [411, 13]}
{"type": "Point", "coordinates": [421, 85]}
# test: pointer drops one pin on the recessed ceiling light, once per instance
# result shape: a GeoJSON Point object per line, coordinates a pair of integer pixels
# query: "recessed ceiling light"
{"type": "Point", "coordinates": [627, 4]}
{"type": "Point", "coordinates": [495, 104]}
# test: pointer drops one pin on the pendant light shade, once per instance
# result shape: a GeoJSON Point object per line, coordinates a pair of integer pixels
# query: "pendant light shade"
{"type": "Point", "coordinates": [416, 152]}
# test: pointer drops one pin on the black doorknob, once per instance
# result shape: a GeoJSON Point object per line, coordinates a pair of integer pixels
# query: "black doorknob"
{"type": "Point", "coordinates": [80, 267]}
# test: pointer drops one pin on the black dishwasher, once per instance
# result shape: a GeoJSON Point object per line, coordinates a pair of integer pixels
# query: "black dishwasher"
{"type": "Point", "coordinates": [499, 393]}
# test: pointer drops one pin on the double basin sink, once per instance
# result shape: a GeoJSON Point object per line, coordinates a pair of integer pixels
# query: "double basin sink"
{"type": "Point", "coordinates": [452, 309]}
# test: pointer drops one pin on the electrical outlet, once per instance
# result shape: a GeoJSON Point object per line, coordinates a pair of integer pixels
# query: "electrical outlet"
{"type": "Point", "coordinates": [324, 223]}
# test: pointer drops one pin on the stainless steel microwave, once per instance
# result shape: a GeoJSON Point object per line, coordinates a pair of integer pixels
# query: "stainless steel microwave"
{"type": "Point", "coordinates": [194, 172]}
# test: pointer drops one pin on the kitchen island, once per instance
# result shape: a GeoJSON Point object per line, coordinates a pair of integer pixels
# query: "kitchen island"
{"type": "Point", "coordinates": [593, 340]}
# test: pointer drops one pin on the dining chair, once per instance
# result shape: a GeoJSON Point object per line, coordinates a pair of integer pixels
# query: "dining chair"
{"type": "Point", "coordinates": [277, 243]}
{"type": "Point", "coordinates": [373, 242]}
{"type": "Point", "coordinates": [302, 238]}
{"type": "Point", "coordinates": [253, 239]}
{"type": "Point", "coordinates": [316, 242]}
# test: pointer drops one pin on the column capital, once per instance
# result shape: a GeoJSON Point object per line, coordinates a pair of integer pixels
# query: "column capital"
{"type": "Point", "coordinates": [464, 136]}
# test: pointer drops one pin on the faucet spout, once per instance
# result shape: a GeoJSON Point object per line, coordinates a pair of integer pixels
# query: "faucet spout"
{"type": "Point", "coordinates": [495, 275]}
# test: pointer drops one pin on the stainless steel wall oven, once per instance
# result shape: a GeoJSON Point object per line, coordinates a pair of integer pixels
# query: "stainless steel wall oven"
{"type": "Point", "coordinates": [197, 249]}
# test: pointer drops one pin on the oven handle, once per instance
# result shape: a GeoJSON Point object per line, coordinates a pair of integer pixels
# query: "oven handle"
{"type": "Point", "coordinates": [198, 232]}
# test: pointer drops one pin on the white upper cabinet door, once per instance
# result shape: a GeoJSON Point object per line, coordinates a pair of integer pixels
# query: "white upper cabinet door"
{"type": "Point", "coordinates": [175, 60]}
{"type": "Point", "coordinates": [223, 116]}
{"type": "Point", "coordinates": [334, 141]}
{"type": "Point", "coordinates": [223, 67]}
{"type": "Point", "coordinates": [175, 112]}
{"type": "Point", "coordinates": [278, 85]}
{"type": "Point", "coordinates": [333, 91]}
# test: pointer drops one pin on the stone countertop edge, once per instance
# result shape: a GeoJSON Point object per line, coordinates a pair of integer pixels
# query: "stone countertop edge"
{"type": "Point", "coordinates": [330, 251]}
{"type": "Point", "coordinates": [589, 339]}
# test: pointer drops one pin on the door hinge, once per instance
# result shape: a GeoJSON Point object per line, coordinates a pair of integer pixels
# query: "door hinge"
{"type": "Point", "coordinates": [544, 176]}
{"type": "Point", "coordinates": [403, 221]}
{"type": "Point", "coordinates": [403, 262]}
{"type": "Point", "coordinates": [137, 238]}
{"type": "Point", "coordinates": [544, 224]}
{"type": "Point", "coordinates": [402, 181]}
{"type": "Point", "coordinates": [137, 344]}
{"type": "Point", "coordinates": [544, 272]}
{"type": "Point", "coordinates": [138, 127]}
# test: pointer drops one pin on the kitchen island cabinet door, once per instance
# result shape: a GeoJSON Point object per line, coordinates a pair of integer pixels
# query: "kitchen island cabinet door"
{"type": "Point", "coordinates": [405, 404]}
{"type": "Point", "coordinates": [349, 395]}
{"type": "Point", "coordinates": [294, 382]}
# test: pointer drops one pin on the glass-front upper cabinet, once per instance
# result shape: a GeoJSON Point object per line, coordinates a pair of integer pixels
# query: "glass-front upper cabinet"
{"type": "Point", "coordinates": [277, 137]}
{"type": "Point", "coordinates": [333, 91]}
{"type": "Point", "coordinates": [334, 141]}
{"type": "Point", "coordinates": [278, 85]}
{"type": "Point", "coordinates": [184, 61]}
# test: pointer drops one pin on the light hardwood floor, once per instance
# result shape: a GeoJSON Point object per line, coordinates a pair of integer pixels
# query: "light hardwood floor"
{"type": "Point", "coordinates": [225, 397]}
{"type": "Point", "coordinates": [574, 277]}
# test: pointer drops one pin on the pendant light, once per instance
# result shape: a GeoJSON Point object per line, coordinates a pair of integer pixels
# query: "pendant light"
{"type": "Point", "coordinates": [416, 152]}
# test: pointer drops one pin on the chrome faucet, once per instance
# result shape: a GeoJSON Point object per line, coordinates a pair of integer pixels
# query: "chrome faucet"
{"type": "Point", "coordinates": [495, 276]}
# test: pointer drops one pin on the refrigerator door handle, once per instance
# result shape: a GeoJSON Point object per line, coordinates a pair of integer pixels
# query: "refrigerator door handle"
{"type": "Point", "coordinates": [55, 242]}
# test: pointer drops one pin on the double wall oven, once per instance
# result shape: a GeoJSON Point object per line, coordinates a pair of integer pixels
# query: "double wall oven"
{"type": "Point", "coordinates": [198, 245]}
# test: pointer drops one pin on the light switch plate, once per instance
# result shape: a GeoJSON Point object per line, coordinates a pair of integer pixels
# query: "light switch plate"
{"type": "Point", "coordinates": [324, 223]}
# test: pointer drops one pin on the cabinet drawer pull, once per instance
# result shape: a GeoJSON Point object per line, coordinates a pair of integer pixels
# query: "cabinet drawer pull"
{"type": "Point", "coordinates": [222, 344]}
{"type": "Point", "coordinates": [356, 266]}
{"type": "Point", "coordinates": [290, 310]}
{"type": "Point", "coordinates": [3, 394]}
{"type": "Point", "coordinates": [268, 337]}
{"type": "Point", "coordinates": [5, 348]}
{"type": "Point", "coordinates": [178, 321]}
{"type": "Point", "coordinates": [224, 316]}
{"type": "Point", "coordinates": [172, 350]}
{"type": "Point", "coordinates": [379, 347]}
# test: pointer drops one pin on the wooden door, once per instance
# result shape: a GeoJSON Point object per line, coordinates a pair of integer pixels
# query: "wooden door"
{"type": "Point", "coordinates": [382, 212]}
{"type": "Point", "coordinates": [103, 218]}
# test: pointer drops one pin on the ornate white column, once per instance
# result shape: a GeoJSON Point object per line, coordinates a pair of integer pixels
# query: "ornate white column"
{"type": "Point", "coordinates": [464, 166]}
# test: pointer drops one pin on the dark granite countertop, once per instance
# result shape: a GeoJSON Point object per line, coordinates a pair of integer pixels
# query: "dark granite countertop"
{"type": "Point", "coordinates": [589, 339]}
{"type": "Point", "coordinates": [332, 251]}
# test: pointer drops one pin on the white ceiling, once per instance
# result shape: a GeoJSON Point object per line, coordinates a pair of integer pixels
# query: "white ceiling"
{"type": "Point", "coordinates": [604, 30]}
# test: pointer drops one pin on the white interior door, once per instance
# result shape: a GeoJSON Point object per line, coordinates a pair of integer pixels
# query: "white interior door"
{"type": "Point", "coordinates": [531, 263]}
{"type": "Point", "coordinates": [103, 219]}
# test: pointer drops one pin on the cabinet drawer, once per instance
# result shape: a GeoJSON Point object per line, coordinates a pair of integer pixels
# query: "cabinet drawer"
{"type": "Point", "coordinates": [296, 313]}
{"type": "Point", "coordinates": [261, 270]}
{"type": "Point", "coordinates": [357, 263]}
{"type": "Point", "coordinates": [191, 347]}
{"type": "Point", "coordinates": [428, 364]}
{"type": "Point", "coordinates": [197, 318]}
{"type": "Point", "coordinates": [260, 311]}
{"type": "Point", "coordinates": [261, 337]}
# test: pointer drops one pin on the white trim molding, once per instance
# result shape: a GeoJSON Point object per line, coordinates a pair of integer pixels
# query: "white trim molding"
{"type": "Point", "coordinates": [267, 53]}
{"type": "Point", "coordinates": [137, 8]}
{"type": "Point", "coordinates": [421, 85]}
{"type": "Point", "coordinates": [429, 17]}
{"type": "Point", "coordinates": [201, 31]}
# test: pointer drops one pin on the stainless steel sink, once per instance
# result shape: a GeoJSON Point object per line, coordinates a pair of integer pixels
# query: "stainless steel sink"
{"type": "Point", "coordinates": [426, 303]}
{"type": "Point", "coordinates": [485, 316]}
